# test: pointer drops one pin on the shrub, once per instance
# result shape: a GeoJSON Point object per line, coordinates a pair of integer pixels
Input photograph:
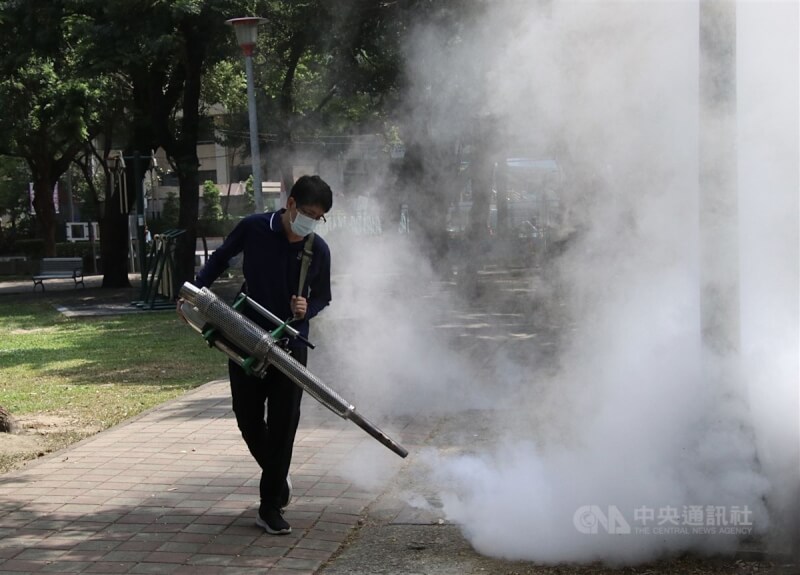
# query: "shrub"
{"type": "Point", "coordinates": [33, 249]}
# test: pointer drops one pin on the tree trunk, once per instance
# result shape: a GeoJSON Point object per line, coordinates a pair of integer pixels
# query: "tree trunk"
{"type": "Point", "coordinates": [425, 179]}
{"type": "Point", "coordinates": [286, 106]}
{"type": "Point", "coordinates": [45, 211]}
{"type": "Point", "coordinates": [183, 150]}
{"type": "Point", "coordinates": [187, 220]}
{"type": "Point", "coordinates": [114, 249]}
{"type": "Point", "coordinates": [7, 422]}
{"type": "Point", "coordinates": [481, 175]}
{"type": "Point", "coordinates": [114, 234]}
{"type": "Point", "coordinates": [285, 156]}
{"type": "Point", "coordinates": [501, 185]}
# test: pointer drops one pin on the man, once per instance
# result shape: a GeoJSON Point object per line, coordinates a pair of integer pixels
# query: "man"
{"type": "Point", "coordinates": [273, 244]}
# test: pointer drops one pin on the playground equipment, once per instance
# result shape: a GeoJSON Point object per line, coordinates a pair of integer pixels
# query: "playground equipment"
{"type": "Point", "coordinates": [158, 291]}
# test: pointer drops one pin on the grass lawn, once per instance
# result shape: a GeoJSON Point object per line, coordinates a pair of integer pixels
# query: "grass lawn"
{"type": "Point", "coordinates": [94, 371]}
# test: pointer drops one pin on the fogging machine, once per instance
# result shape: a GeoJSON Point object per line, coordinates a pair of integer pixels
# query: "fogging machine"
{"type": "Point", "coordinates": [256, 349]}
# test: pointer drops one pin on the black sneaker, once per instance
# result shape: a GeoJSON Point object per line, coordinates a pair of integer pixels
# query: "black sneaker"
{"type": "Point", "coordinates": [286, 493]}
{"type": "Point", "coordinates": [271, 520]}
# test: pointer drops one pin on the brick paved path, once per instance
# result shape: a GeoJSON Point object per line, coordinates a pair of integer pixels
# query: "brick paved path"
{"type": "Point", "coordinates": [175, 491]}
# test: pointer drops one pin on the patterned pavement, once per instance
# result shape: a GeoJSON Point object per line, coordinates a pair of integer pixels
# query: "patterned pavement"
{"type": "Point", "coordinates": [175, 491]}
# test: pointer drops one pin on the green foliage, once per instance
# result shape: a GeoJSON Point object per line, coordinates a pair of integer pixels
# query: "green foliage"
{"type": "Point", "coordinates": [14, 179]}
{"type": "Point", "coordinates": [323, 68]}
{"type": "Point", "coordinates": [33, 249]}
{"type": "Point", "coordinates": [170, 211]}
{"type": "Point", "coordinates": [83, 193]}
{"type": "Point", "coordinates": [213, 219]}
{"type": "Point", "coordinates": [75, 249]}
{"type": "Point", "coordinates": [146, 73]}
{"type": "Point", "coordinates": [212, 205]}
{"type": "Point", "coordinates": [226, 83]}
{"type": "Point", "coordinates": [53, 104]}
{"type": "Point", "coordinates": [249, 192]}
{"type": "Point", "coordinates": [330, 66]}
{"type": "Point", "coordinates": [51, 101]}
{"type": "Point", "coordinates": [179, 58]}
{"type": "Point", "coordinates": [164, 51]}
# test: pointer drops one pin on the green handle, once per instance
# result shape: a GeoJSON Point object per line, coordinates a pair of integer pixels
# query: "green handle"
{"type": "Point", "coordinates": [279, 330]}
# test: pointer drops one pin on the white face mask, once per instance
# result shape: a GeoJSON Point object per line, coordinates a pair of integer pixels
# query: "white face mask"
{"type": "Point", "coordinates": [302, 225]}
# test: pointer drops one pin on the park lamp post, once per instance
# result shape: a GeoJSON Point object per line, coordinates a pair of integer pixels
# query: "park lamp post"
{"type": "Point", "coordinates": [246, 34]}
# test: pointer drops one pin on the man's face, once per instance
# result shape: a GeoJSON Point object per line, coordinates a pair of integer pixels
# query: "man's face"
{"type": "Point", "coordinates": [315, 212]}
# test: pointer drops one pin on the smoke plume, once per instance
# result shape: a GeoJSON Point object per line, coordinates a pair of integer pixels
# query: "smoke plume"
{"type": "Point", "coordinates": [637, 439]}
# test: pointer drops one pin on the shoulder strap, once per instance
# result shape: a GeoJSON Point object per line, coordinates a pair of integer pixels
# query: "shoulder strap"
{"type": "Point", "coordinates": [305, 262]}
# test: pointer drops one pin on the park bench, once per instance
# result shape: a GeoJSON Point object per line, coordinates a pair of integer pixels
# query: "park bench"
{"type": "Point", "coordinates": [52, 268]}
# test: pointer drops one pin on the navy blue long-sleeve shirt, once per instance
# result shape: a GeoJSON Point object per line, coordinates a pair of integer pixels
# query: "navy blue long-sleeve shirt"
{"type": "Point", "coordinates": [272, 269]}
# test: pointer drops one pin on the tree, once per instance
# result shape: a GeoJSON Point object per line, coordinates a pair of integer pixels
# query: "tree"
{"type": "Point", "coordinates": [171, 211]}
{"type": "Point", "coordinates": [106, 193]}
{"type": "Point", "coordinates": [323, 67]}
{"type": "Point", "coordinates": [212, 206]}
{"type": "Point", "coordinates": [212, 215]}
{"type": "Point", "coordinates": [163, 50]}
{"type": "Point", "coordinates": [249, 193]}
{"type": "Point", "coordinates": [51, 106]}
{"type": "Point", "coordinates": [437, 110]}
{"type": "Point", "coordinates": [7, 422]}
{"type": "Point", "coordinates": [341, 67]}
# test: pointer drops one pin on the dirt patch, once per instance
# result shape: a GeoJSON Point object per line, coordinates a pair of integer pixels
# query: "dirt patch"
{"type": "Point", "coordinates": [39, 435]}
{"type": "Point", "coordinates": [22, 331]}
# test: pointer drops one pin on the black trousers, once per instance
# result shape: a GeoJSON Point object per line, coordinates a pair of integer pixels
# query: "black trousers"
{"type": "Point", "coordinates": [270, 440]}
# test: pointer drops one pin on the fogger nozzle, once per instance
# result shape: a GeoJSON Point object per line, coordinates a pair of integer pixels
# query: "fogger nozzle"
{"type": "Point", "coordinates": [254, 348]}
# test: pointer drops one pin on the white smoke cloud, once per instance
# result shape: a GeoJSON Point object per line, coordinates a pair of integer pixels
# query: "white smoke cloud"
{"type": "Point", "coordinates": [639, 416]}
{"type": "Point", "coordinates": [769, 179]}
{"type": "Point", "coordinates": [381, 330]}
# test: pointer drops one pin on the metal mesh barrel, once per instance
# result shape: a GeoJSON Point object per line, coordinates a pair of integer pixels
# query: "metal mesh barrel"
{"type": "Point", "coordinates": [242, 331]}
{"type": "Point", "coordinates": [309, 382]}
